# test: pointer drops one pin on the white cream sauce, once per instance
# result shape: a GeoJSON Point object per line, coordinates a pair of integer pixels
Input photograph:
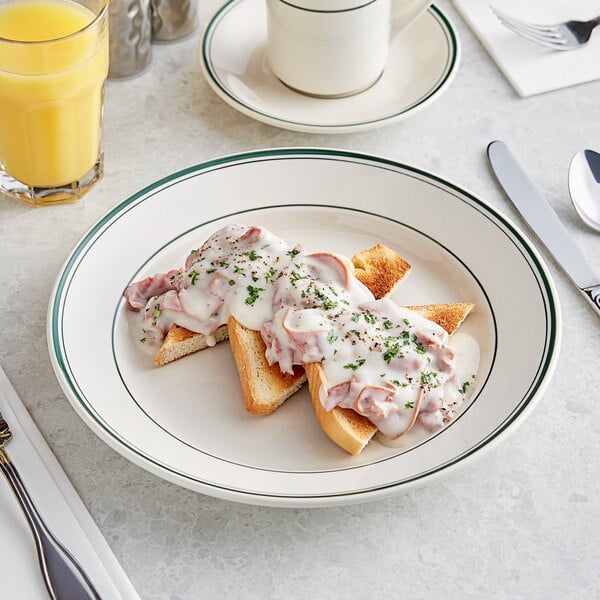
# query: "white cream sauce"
{"type": "Point", "coordinates": [383, 361]}
{"type": "Point", "coordinates": [467, 359]}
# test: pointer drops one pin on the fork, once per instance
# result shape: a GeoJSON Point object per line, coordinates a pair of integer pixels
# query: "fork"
{"type": "Point", "coordinates": [561, 36]}
{"type": "Point", "coordinates": [63, 575]}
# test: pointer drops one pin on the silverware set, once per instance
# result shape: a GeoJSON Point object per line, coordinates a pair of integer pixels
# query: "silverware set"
{"type": "Point", "coordinates": [584, 171]}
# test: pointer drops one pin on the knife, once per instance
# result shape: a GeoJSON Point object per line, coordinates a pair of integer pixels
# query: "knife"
{"type": "Point", "coordinates": [543, 221]}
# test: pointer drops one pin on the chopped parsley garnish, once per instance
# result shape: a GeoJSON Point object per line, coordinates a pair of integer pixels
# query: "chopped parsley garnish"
{"type": "Point", "coordinates": [398, 383]}
{"type": "Point", "coordinates": [410, 404]}
{"type": "Point", "coordinates": [370, 318]}
{"type": "Point", "coordinates": [295, 276]}
{"type": "Point", "coordinates": [155, 314]}
{"type": "Point", "coordinates": [463, 388]}
{"type": "Point", "coordinates": [428, 377]}
{"type": "Point", "coordinates": [270, 274]}
{"type": "Point", "coordinates": [353, 366]}
{"type": "Point", "coordinates": [231, 282]}
{"type": "Point", "coordinates": [387, 324]}
{"type": "Point", "coordinates": [420, 348]}
{"type": "Point", "coordinates": [390, 341]}
{"type": "Point", "coordinates": [391, 353]}
{"type": "Point", "coordinates": [237, 269]}
{"type": "Point", "coordinates": [253, 294]}
{"type": "Point", "coordinates": [252, 255]}
{"type": "Point", "coordinates": [327, 303]}
{"type": "Point", "coordinates": [331, 337]}
{"type": "Point", "coordinates": [293, 253]}
{"type": "Point", "coordinates": [193, 277]}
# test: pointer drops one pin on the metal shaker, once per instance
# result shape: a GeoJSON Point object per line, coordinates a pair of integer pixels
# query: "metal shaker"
{"type": "Point", "coordinates": [130, 37]}
{"type": "Point", "coordinates": [173, 19]}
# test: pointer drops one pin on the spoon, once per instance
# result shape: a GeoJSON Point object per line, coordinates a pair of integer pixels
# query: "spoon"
{"type": "Point", "coordinates": [584, 187]}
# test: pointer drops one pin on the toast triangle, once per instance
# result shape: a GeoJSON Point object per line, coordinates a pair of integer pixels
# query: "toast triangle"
{"type": "Point", "coordinates": [264, 387]}
{"type": "Point", "coordinates": [345, 427]}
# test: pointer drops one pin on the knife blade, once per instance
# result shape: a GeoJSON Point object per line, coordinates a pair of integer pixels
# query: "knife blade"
{"type": "Point", "coordinates": [543, 221]}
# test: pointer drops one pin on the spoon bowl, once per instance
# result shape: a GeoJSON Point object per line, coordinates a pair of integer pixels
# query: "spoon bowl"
{"type": "Point", "coordinates": [584, 187]}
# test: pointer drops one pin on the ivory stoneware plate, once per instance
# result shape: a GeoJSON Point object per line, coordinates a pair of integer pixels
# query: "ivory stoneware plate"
{"type": "Point", "coordinates": [422, 62]}
{"type": "Point", "coordinates": [186, 421]}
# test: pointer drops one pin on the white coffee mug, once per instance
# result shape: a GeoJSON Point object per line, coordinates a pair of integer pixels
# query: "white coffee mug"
{"type": "Point", "coordinates": [333, 48]}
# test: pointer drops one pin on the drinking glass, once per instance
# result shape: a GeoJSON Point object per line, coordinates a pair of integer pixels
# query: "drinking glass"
{"type": "Point", "coordinates": [53, 65]}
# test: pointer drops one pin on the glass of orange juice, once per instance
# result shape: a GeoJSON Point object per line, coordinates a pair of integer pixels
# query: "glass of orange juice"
{"type": "Point", "coordinates": [53, 65]}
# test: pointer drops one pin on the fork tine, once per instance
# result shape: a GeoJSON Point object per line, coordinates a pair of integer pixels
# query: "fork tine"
{"type": "Point", "coordinates": [555, 44]}
{"type": "Point", "coordinates": [554, 33]}
{"type": "Point", "coordinates": [534, 27]}
{"type": "Point", "coordinates": [550, 38]}
{"type": "Point", "coordinates": [547, 33]}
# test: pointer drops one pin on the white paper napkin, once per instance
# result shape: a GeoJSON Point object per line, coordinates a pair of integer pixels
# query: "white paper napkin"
{"type": "Point", "coordinates": [60, 506]}
{"type": "Point", "coordinates": [531, 68]}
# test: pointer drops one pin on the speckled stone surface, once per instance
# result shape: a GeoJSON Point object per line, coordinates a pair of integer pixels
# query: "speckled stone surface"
{"type": "Point", "coordinates": [520, 521]}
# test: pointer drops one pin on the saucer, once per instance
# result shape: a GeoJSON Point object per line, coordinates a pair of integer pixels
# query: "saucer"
{"type": "Point", "coordinates": [421, 64]}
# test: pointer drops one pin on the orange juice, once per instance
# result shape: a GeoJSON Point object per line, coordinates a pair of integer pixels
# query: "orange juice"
{"type": "Point", "coordinates": [53, 64]}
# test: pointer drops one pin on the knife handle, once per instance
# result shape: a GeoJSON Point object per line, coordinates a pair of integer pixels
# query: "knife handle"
{"type": "Point", "coordinates": [64, 577]}
{"type": "Point", "coordinates": [593, 295]}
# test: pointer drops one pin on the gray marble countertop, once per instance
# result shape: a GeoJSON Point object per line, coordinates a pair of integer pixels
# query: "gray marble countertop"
{"type": "Point", "coordinates": [520, 521]}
